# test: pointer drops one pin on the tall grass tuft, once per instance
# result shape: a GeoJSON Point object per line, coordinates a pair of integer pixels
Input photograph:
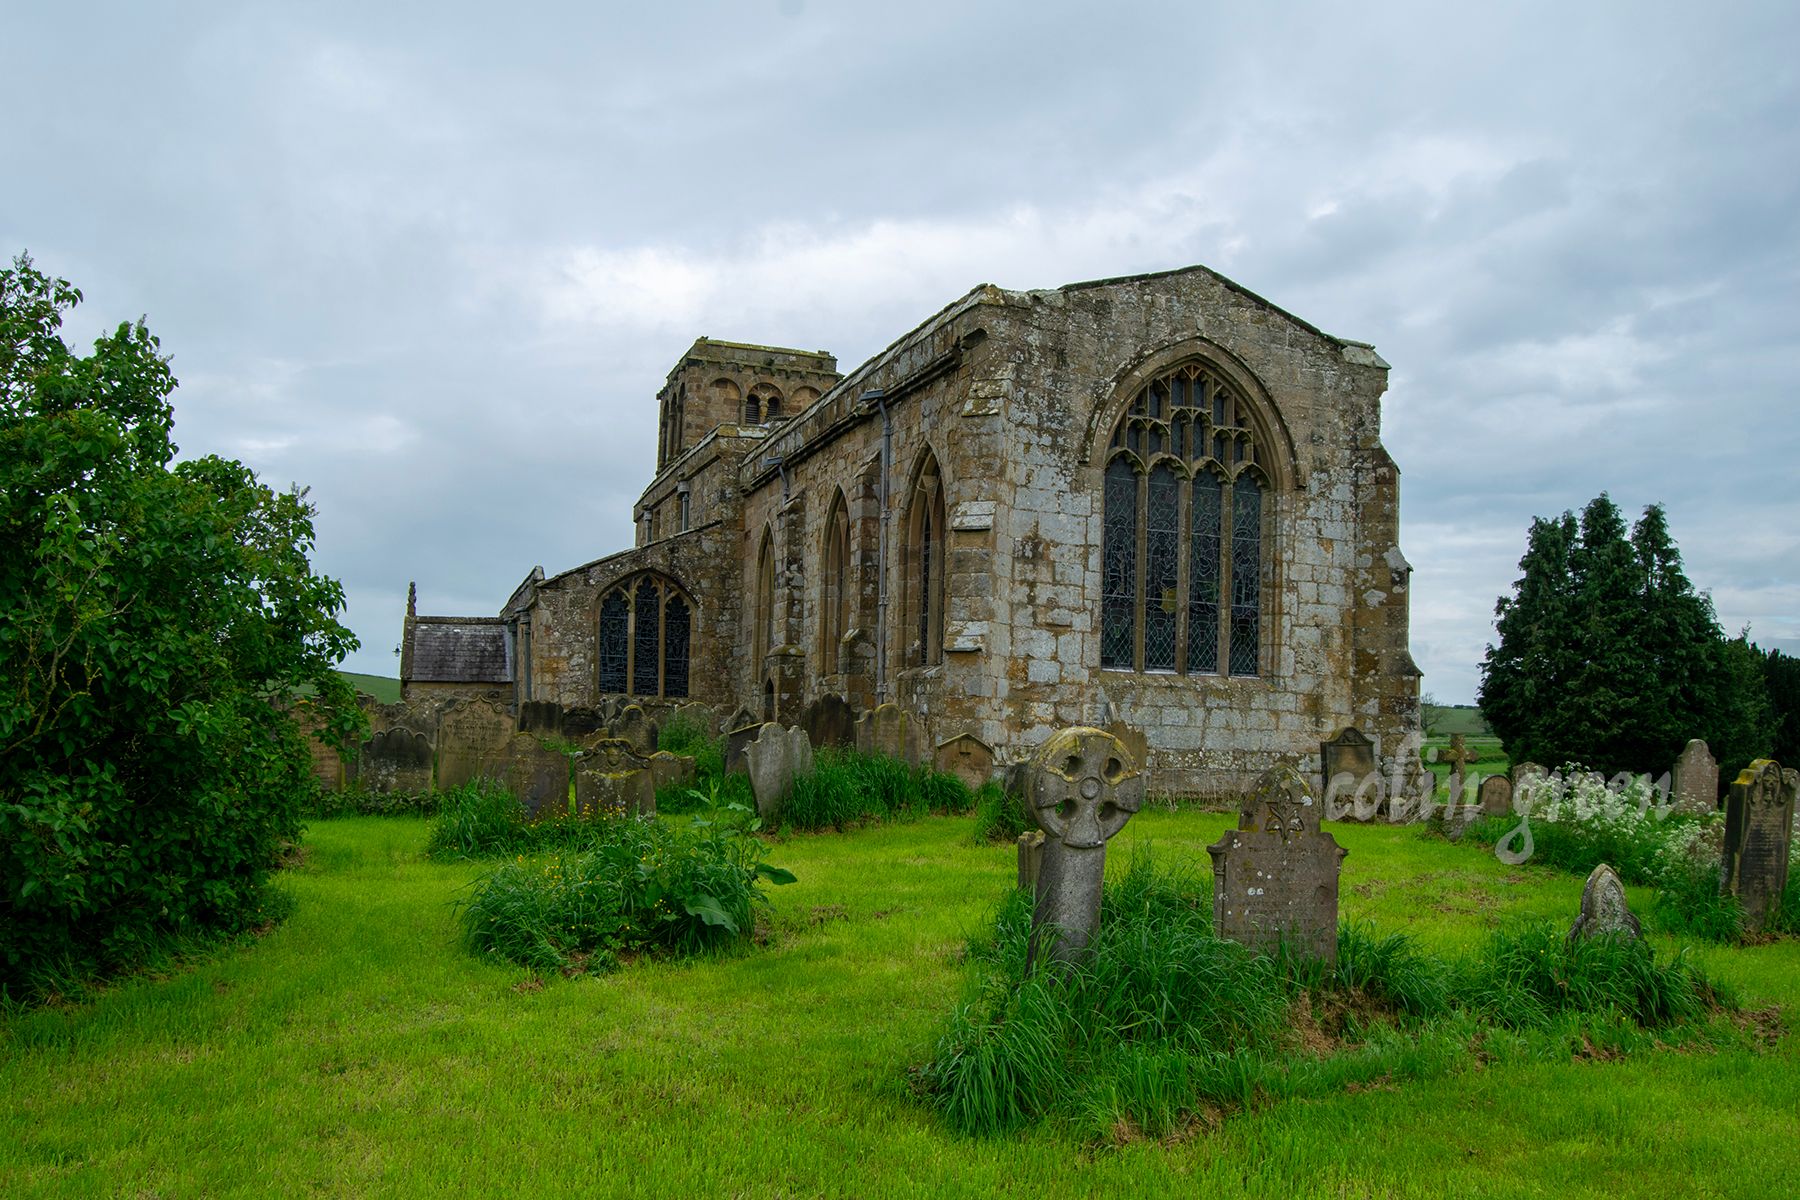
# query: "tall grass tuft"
{"type": "Point", "coordinates": [480, 819]}
{"type": "Point", "coordinates": [999, 814]}
{"type": "Point", "coordinates": [848, 788]}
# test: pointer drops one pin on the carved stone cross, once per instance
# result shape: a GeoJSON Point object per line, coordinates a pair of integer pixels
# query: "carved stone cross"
{"type": "Point", "coordinates": [1083, 785]}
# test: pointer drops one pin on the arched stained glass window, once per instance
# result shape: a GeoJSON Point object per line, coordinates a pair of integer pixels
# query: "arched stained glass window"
{"type": "Point", "coordinates": [925, 563]}
{"type": "Point", "coordinates": [645, 631]}
{"type": "Point", "coordinates": [1176, 595]}
{"type": "Point", "coordinates": [834, 586]}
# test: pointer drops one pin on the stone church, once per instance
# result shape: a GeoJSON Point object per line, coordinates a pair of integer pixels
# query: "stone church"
{"type": "Point", "coordinates": [1158, 499]}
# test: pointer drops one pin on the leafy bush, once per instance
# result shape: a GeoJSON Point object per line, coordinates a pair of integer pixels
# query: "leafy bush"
{"type": "Point", "coordinates": [356, 802]}
{"type": "Point", "coordinates": [1166, 1021]}
{"type": "Point", "coordinates": [641, 886]}
{"type": "Point", "coordinates": [151, 611]}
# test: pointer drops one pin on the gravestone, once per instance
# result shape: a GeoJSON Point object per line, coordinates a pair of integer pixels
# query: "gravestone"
{"type": "Point", "coordinates": [631, 725]}
{"type": "Point", "coordinates": [612, 779]}
{"type": "Point", "coordinates": [1459, 756]}
{"type": "Point", "coordinates": [1031, 857]}
{"type": "Point", "coordinates": [775, 759]}
{"type": "Point", "coordinates": [830, 721]}
{"type": "Point", "coordinates": [581, 722]}
{"type": "Point", "coordinates": [1349, 753]}
{"type": "Point", "coordinates": [396, 760]}
{"type": "Point", "coordinates": [1528, 779]}
{"type": "Point", "coordinates": [1083, 786]}
{"type": "Point", "coordinates": [1136, 743]}
{"type": "Point", "coordinates": [537, 777]}
{"type": "Point", "coordinates": [1696, 780]}
{"type": "Point", "coordinates": [967, 757]}
{"type": "Point", "coordinates": [1604, 909]}
{"type": "Point", "coordinates": [735, 742]}
{"type": "Point", "coordinates": [1496, 796]}
{"type": "Point", "coordinates": [669, 769]}
{"type": "Point", "coordinates": [470, 735]}
{"type": "Point", "coordinates": [741, 718]}
{"type": "Point", "coordinates": [888, 729]}
{"type": "Point", "coordinates": [540, 716]}
{"type": "Point", "coordinates": [1275, 877]}
{"type": "Point", "coordinates": [699, 716]}
{"type": "Point", "coordinates": [1759, 830]}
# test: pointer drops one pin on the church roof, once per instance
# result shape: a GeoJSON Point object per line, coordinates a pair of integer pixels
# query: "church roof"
{"type": "Point", "coordinates": [460, 650]}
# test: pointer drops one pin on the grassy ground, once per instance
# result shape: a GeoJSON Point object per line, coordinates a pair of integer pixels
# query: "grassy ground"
{"type": "Point", "coordinates": [358, 1050]}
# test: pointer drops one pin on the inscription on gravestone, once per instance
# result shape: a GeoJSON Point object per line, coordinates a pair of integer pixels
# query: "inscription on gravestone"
{"type": "Point", "coordinates": [539, 778]}
{"type": "Point", "coordinates": [396, 760]}
{"type": "Point", "coordinates": [891, 730]}
{"type": "Point", "coordinates": [1496, 796]}
{"type": "Point", "coordinates": [1759, 829]}
{"type": "Point", "coordinates": [1275, 877]}
{"type": "Point", "coordinates": [471, 734]}
{"type": "Point", "coordinates": [1083, 786]}
{"type": "Point", "coordinates": [1349, 753]}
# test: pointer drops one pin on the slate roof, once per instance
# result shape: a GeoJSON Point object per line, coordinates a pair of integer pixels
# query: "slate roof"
{"type": "Point", "coordinates": [461, 650]}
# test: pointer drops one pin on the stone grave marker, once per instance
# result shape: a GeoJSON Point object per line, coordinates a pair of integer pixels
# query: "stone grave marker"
{"type": "Point", "coordinates": [967, 757]}
{"type": "Point", "coordinates": [1528, 777]}
{"type": "Point", "coordinates": [736, 741]}
{"type": "Point", "coordinates": [1134, 741]}
{"type": "Point", "coordinates": [1496, 796]}
{"type": "Point", "coordinates": [631, 725]}
{"type": "Point", "coordinates": [891, 730]}
{"type": "Point", "coordinates": [1603, 907]}
{"type": "Point", "coordinates": [775, 759]}
{"type": "Point", "coordinates": [1083, 786]}
{"type": "Point", "coordinates": [700, 716]}
{"type": "Point", "coordinates": [613, 779]}
{"type": "Point", "coordinates": [1031, 857]}
{"type": "Point", "coordinates": [581, 722]}
{"type": "Point", "coordinates": [668, 769]}
{"type": "Point", "coordinates": [1759, 830]}
{"type": "Point", "coordinates": [1275, 877]}
{"type": "Point", "coordinates": [396, 759]}
{"type": "Point", "coordinates": [830, 721]}
{"type": "Point", "coordinates": [470, 735]}
{"type": "Point", "coordinates": [540, 716]}
{"type": "Point", "coordinates": [1349, 753]}
{"type": "Point", "coordinates": [539, 778]}
{"type": "Point", "coordinates": [1696, 782]}
{"type": "Point", "coordinates": [741, 718]}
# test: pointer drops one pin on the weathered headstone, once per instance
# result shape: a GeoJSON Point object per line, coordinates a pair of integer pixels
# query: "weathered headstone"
{"type": "Point", "coordinates": [775, 759]}
{"type": "Point", "coordinates": [540, 716]}
{"type": "Point", "coordinates": [581, 722]}
{"type": "Point", "coordinates": [735, 742]}
{"type": "Point", "coordinates": [1275, 877]}
{"type": "Point", "coordinates": [699, 716]}
{"type": "Point", "coordinates": [1603, 907]}
{"type": "Point", "coordinates": [1031, 857]}
{"type": "Point", "coordinates": [888, 729]}
{"type": "Point", "coordinates": [396, 760]}
{"type": "Point", "coordinates": [1136, 743]}
{"type": "Point", "coordinates": [1696, 779]}
{"type": "Point", "coordinates": [1084, 785]}
{"type": "Point", "coordinates": [668, 769]}
{"type": "Point", "coordinates": [1496, 796]}
{"type": "Point", "coordinates": [830, 721]}
{"type": "Point", "coordinates": [1759, 830]}
{"type": "Point", "coordinates": [539, 778]}
{"type": "Point", "coordinates": [967, 757]}
{"type": "Point", "coordinates": [742, 717]}
{"type": "Point", "coordinates": [613, 779]}
{"type": "Point", "coordinates": [631, 725]}
{"type": "Point", "coordinates": [470, 735]}
{"type": "Point", "coordinates": [1349, 753]}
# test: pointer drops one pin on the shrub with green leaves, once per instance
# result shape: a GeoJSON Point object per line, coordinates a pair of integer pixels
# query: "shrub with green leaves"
{"type": "Point", "coordinates": [153, 613]}
{"type": "Point", "coordinates": [1165, 1020]}
{"type": "Point", "coordinates": [640, 886]}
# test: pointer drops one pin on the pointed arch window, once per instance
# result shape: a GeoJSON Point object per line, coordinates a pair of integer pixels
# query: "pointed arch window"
{"type": "Point", "coordinates": [645, 629]}
{"type": "Point", "coordinates": [925, 568]}
{"type": "Point", "coordinates": [763, 637]}
{"type": "Point", "coordinates": [1185, 506]}
{"type": "Point", "coordinates": [834, 585]}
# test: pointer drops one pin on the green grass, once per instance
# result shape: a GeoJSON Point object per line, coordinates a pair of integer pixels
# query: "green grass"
{"type": "Point", "coordinates": [359, 1049]}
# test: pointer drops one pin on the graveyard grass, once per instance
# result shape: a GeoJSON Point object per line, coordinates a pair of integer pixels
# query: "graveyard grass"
{"type": "Point", "coordinates": [359, 1049]}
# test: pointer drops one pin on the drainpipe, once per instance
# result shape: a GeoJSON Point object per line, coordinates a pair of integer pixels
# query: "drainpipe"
{"type": "Point", "coordinates": [878, 397]}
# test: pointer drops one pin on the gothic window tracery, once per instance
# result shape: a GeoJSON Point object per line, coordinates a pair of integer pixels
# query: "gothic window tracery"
{"type": "Point", "coordinates": [1184, 506]}
{"type": "Point", "coordinates": [925, 562]}
{"type": "Point", "coordinates": [645, 629]}
{"type": "Point", "coordinates": [834, 585]}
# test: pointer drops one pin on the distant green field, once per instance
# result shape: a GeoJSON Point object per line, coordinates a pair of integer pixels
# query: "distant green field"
{"type": "Point", "coordinates": [1459, 718]}
{"type": "Point", "coordinates": [387, 691]}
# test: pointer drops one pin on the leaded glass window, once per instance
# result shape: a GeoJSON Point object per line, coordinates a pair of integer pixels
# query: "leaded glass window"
{"type": "Point", "coordinates": [1181, 470]}
{"type": "Point", "coordinates": [645, 631]}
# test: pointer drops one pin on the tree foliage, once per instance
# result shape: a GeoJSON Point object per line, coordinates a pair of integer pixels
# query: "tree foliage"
{"type": "Point", "coordinates": [154, 617]}
{"type": "Point", "coordinates": [1608, 657]}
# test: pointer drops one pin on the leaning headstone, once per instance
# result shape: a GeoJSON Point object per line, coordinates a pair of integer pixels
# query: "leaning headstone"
{"type": "Point", "coordinates": [613, 779]}
{"type": "Point", "coordinates": [890, 730]}
{"type": "Point", "coordinates": [967, 757]}
{"type": "Point", "coordinates": [1759, 830]}
{"type": "Point", "coordinates": [539, 778]}
{"type": "Point", "coordinates": [1084, 785]}
{"type": "Point", "coordinates": [631, 725]}
{"type": "Point", "coordinates": [1696, 783]}
{"type": "Point", "coordinates": [668, 769]}
{"type": "Point", "coordinates": [775, 759]}
{"type": "Point", "coordinates": [1349, 753]}
{"type": "Point", "coordinates": [1031, 857]}
{"type": "Point", "coordinates": [1275, 877]}
{"type": "Point", "coordinates": [735, 742]}
{"type": "Point", "coordinates": [830, 721]}
{"type": "Point", "coordinates": [1496, 796]}
{"type": "Point", "coordinates": [396, 760]}
{"type": "Point", "coordinates": [471, 734]}
{"type": "Point", "coordinates": [1604, 909]}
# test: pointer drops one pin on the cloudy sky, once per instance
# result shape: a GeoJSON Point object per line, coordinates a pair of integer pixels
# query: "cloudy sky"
{"type": "Point", "coordinates": [434, 260]}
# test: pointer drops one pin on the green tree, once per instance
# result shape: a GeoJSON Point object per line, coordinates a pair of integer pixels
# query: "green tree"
{"type": "Point", "coordinates": [1781, 673]}
{"type": "Point", "coordinates": [154, 618]}
{"type": "Point", "coordinates": [1608, 657]}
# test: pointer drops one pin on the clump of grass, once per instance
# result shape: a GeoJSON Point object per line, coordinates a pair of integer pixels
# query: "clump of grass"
{"type": "Point", "coordinates": [1786, 919]}
{"type": "Point", "coordinates": [849, 788]}
{"type": "Point", "coordinates": [480, 819]}
{"type": "Point", "coordinates": [1690, 904]}
{"type": "Point", "coordinates": [641, 886]}
{"type": "Point", "coordinates": [999, 814]}
{"type": "Point", "coordinates": [1167, 1024]}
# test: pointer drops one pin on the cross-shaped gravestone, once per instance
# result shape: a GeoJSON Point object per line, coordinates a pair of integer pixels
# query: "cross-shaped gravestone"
{"type": "Point", "coordinates": [1082, 786]}
{"type": "Point", "coordinates": [1459, 756]}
